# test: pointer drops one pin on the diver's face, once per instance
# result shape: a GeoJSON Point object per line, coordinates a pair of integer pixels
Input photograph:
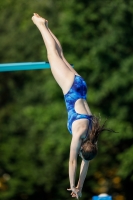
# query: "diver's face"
{"type": "Point", "coordinates": [80, 154]}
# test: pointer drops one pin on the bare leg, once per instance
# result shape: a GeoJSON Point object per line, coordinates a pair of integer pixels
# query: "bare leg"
{"type": "Point", "coordinates": [60, 50]}
{"type": "Point", "coordinates": [61, 72]}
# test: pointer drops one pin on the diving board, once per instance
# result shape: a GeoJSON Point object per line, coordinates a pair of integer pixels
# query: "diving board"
{"type": "Point", "coordinates": [23, 66]}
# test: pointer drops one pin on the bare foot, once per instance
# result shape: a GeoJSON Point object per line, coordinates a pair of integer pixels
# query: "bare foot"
{"type": "Point", "coordinates": [38, 20]}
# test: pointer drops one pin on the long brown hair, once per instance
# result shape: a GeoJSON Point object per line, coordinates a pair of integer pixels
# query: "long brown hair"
{"type": "Point", "coordinates": [89, 147]}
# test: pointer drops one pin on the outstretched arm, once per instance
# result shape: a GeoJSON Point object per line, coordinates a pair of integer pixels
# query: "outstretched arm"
{"type": "Point", "coordinates": [83, 172]}
{"type": "Point", "coordinates": [74, 150]}
{"type": "Point", "coordinates": [82, 176]}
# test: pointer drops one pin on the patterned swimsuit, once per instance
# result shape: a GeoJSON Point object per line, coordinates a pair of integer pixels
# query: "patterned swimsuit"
{"type": "Point", "coordinates": [77, 91]}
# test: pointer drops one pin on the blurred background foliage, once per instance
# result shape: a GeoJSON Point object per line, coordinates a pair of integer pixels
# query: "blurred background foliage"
{"type": "Point", "coordinates": [34, 142]}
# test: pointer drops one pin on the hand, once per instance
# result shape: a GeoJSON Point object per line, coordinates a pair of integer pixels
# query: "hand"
{"type": "Point", "coordinates": [76, 192]}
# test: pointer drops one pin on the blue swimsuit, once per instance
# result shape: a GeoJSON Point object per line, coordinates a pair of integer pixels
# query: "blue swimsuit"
{"type": "Point", "coordinates": [77, 91]}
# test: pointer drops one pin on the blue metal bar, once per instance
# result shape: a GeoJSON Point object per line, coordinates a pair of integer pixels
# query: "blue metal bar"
{"type": "Point", "coordinates": [23, 66]}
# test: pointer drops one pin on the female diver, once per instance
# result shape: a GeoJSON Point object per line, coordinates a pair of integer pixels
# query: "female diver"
{"type": "Point", "coordinates": [83, 126]}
